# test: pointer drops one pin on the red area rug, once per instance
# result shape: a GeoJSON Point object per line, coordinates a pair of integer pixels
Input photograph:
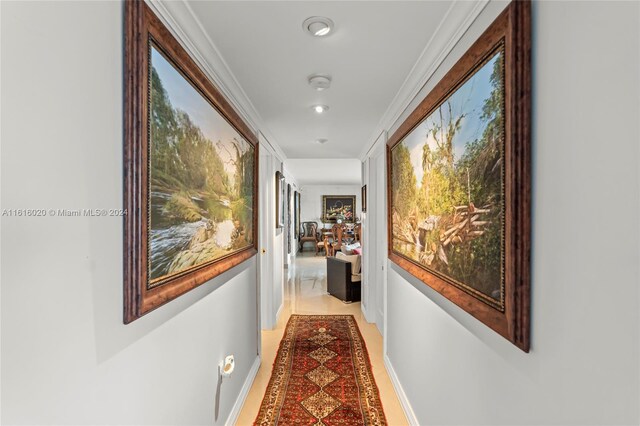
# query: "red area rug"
{"type": "Point", "coordinates": [321, 376]}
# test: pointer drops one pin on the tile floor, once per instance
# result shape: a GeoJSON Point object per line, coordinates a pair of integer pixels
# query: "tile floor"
{"type": "Point", "coordinates": [306, 293]}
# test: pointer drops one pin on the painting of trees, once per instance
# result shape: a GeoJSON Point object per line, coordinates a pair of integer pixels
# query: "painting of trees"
{"type": "Point", "coordinates": [200, 180]}
{"type": "Point", "coordinates": [447, 196]}
{"type": "Point", "coordinates": [459, 180]}
{"type": "Point", "coordinates": [189, 170]}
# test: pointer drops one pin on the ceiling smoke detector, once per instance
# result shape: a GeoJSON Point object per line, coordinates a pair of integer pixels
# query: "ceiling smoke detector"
{"type": "Point", "coordinates": [319, 81]}
{"type": "Point", "coordinates": [318, 26]}
{"type": "Point", "coordinates": [321, 141]}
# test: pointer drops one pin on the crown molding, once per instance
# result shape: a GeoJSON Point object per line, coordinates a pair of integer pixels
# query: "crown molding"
{"type": "Point", "coordinates": [266, 146]}
{"type": "Point", "coordinates": [183, 24]}
{"type": "Point", "coordinates": [454, 25]}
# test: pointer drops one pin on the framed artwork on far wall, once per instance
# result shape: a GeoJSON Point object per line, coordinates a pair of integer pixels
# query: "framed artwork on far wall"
{"type": "Point", "coordinates": [335, 207]}
{"type": "Point", "coordinates": [289, 205]}
{"type": "Point", "coordinates": [296, 206]}
{"type": "Point", "coordinates": [280, 194]}
{"type": "Point", "coordinates": [190, 171]}
{"type": "Point", "coordinates": [459, 181]}
{"type": "Point", "coordinates": [364, 198]}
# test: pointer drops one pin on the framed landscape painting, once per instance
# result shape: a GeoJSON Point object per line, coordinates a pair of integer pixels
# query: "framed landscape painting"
{"type": "Point", "coordinates": [336, 207]}
{"type": "Point", "coordinates": [459, 181]}
{"type": "Point", "coordinates": [190, 171]}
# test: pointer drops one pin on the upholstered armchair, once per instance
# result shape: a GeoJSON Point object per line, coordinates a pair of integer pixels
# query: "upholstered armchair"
{"type": "Point", "coordinates": [309, 234]}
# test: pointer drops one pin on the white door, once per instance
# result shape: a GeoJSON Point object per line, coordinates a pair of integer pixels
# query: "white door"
{"type": "Point", "coordinates": [371, 244]}
{"type": "Point", "coordinates": [381, 237]}
{"type": "Point", "coordinates": [267, 221]}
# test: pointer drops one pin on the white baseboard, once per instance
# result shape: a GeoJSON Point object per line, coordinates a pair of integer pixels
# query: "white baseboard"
{"type": "Point", "coordinates": [237, 407]}
{"type": "Point", "coordinates": [406, 407]}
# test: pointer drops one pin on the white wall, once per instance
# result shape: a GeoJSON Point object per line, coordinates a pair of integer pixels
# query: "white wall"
{"type": "Point", "coordinates": [66, 356]}
{"type": "Point", "coordinates": [311, 200]}
{"type": "Point", "coordinates": [583, 366]}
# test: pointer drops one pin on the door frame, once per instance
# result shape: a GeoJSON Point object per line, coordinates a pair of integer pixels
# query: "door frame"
{"type": "Point", "coordinates": [268, 275]}
{"type": "Point", "coordinates": [378, 155]}
{"type": "Point", "coordinates": [375, 235]}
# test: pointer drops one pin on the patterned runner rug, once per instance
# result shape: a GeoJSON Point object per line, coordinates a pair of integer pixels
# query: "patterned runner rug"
{"type": "Point", "coordinates": [321, 376]}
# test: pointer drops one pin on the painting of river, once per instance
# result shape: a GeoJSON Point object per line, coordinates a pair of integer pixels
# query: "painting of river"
{"type": "Point", "coordinates": [200, 178]}
{"type": "Point", "coordinates": [447, 186]}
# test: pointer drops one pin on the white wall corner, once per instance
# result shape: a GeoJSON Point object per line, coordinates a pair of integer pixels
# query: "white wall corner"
{"type": "Point", "coordinates": [183, 24]}
{"type": "Point", "coordinates": [385, 307]}
{"type": "Point", "coordinates": [369, 316]}
{"type": "Point", "coordinates": [244, 392]}
{"type": "Point", "coordinates": [454, 25]}
{"type": "Point", "coordinates": [404, 401]}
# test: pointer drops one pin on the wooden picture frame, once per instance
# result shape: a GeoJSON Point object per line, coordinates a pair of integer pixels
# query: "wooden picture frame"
{"type": "Point", "coordinates": [335, 205]}
{"type": "Point", "coordinates": [296, 207]}
{"type": "Point", "coordinates": [289, 209]}
{"type": "Point", "coordinates": [419, 240]}
{"type": "Point", "coordinates": [280, 194]}
{"type": "Point", "coordinates": [364, 198]}
{"type": "Point", "coordinates": [152, 277]}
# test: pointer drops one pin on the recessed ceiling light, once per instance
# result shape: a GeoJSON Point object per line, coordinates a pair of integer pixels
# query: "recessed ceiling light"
{"type": "Point", "coordinates": [318, 26]}
{"type": "Point", "coordinates": [319, 81]}
{"type": "Point", "coordinates": [320, 108]}
{"type": "Point", "coordinates": [321, 141]}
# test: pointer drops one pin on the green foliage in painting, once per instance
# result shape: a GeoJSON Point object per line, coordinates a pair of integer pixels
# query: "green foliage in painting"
{"type": "Point", "coordinates": [447, 177]}
{"type": "Point", "coordinates": [403, 180]}
{"type": "Point", "coordinates": [181, 155]}
{"type": "Point", "coordinates": [201, 190]}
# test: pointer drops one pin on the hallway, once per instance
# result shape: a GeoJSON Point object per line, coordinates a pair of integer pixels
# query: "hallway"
{"type": "Point", "coordinates": [306, 294]}
{"type": "Point", "coordinates": [162, 160]}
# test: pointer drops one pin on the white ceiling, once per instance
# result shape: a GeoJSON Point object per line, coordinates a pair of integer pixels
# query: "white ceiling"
{"type": "Point", "coordinates": [369, 55]}
{"type": "Point", "coordinates": [327, 171]}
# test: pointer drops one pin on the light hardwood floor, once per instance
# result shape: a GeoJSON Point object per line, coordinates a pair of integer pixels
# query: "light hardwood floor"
{"type": "Point", "coordinates": [306, 293]}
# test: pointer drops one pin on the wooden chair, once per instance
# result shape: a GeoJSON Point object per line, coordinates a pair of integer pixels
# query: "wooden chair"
{"type": "Point", "coordinates": [337, 231]}
{"type": "Point", "coordinates": [358, 232]}
{"type": "Point", "coordinates": [309, 234]}
{"type": "Point", "coordinates": [327, 246]}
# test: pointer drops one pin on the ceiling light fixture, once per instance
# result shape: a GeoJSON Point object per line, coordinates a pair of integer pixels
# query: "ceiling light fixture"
{"type": "Point", "coordinates": [320, 108]}
{"type": "Point", "coordinates": [319, 81]}
{"type": "Point", "coordinates": [318, 26]}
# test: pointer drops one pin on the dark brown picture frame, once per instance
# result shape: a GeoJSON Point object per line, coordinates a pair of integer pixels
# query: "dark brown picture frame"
{"type": "Point", "coordinates": [513, 28]}
{"type": "Point", "coordinates": [280, 194]}
{"type": "Point", "coordinates": [364, 198]}
{"type": "Point", "coordinates": [296, 203]}
{"type": "Point", "coordinates": [289, 210]}
{"type": "Point", "coordinates": [142, 27]}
